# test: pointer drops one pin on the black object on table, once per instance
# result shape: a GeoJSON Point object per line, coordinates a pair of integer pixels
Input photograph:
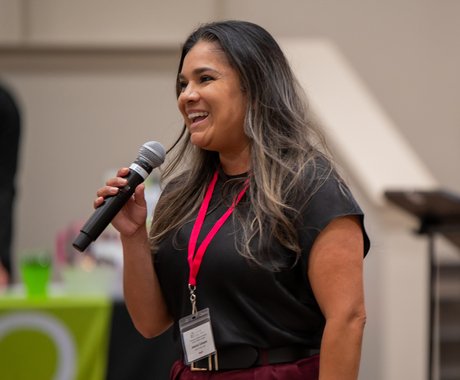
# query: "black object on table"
{"type": "Point", "coordinates": [131, 356]}
{"type": "Point", "coordinates": [439, 213]}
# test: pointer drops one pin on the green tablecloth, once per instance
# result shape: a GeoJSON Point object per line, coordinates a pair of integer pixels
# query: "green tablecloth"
{"type": "Point", "coordinates": [60, 338]}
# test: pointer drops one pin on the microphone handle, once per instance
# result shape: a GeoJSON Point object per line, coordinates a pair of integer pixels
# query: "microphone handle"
{"type": "Point", "coordinates": [104, 214]}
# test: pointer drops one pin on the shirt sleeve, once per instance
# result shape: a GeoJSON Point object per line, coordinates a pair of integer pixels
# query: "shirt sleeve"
{"type": "Point", "coordinates": [333, 199]}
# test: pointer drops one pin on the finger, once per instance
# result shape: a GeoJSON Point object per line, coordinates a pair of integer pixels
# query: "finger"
{"type": "Point", "coordinates": [107, 191]}
{"type": "Point", "coordinates": [139, 197]}
{"type": "Point", "coordinates": [98, 201]}
{"type": "Point", "coordinates": [123, 172]}
{"type": "Point", "coordinates": [117, 181]}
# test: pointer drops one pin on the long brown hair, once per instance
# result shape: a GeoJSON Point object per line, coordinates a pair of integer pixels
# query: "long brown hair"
{"type": "Point", "coordinates": [286, 147]}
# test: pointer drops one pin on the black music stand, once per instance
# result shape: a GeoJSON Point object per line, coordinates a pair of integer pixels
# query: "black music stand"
{"type": "Point", "coordinates": [439, 213]}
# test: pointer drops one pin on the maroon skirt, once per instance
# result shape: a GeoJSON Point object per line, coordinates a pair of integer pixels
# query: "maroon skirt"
{"type": "Point", "coordinates": [305, 369]}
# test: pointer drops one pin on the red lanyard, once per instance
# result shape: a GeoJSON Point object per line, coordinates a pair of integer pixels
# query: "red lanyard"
{"type": "Point", "coordinates": [195, 262]}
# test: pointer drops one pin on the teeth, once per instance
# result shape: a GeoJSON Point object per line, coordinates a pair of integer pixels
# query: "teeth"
{"type": "Point", "coordinates": [197, 114]}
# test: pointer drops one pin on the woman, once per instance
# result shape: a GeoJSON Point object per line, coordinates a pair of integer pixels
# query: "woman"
{"type": "Point", "coordinates": [281, 273]}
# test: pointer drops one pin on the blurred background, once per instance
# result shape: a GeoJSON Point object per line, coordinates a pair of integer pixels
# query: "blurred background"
{"type": "Point", "coordinates": [95, 80]}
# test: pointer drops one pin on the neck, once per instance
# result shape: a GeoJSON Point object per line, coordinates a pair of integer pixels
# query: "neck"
{"type": "Point", "coordinates": [236, 162]}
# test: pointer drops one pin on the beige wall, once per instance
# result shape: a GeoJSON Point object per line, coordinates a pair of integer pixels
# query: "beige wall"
{"type": "Point", "coordinates": [11, 18]}
{"type": "Point", "coordinates": [78, 123]}
{"type": "Point", "coordinates": [102, 21]}
{"type": "Point", "coordinates": [95, 81]}
{"type": "Point", "coordinates": [406, 51]}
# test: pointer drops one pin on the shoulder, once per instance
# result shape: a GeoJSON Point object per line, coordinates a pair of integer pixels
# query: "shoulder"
{"type": "Point", "coordinates": [329, 198]}
{"type": "Point", "coordinates": [320, 179]}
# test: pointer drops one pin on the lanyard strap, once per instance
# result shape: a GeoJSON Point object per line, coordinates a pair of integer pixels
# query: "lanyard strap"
{"type": "Point", "coordinates": [194, 261]}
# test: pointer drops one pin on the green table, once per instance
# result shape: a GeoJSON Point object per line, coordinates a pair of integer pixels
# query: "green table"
{"type": "Point", "coordinates": [59, 338]}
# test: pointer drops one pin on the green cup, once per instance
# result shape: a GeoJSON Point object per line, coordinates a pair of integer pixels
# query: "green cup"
{"type": "Point", "coordinates": [35, 268]}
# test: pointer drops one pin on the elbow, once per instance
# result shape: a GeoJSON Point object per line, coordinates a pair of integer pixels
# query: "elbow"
{"type": "Point", "coordinates": [152, 331]}
{"type": "Point", "coordinates": [149, 334]}
{"type": "Point", "coordinates": [352, 320]}
{"type": "Point", "coordinates": [358, 320]}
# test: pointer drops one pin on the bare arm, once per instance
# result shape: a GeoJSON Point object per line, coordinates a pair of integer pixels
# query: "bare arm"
{"type": "Point", "coordinates": [141, 288]}
{"type": "Point", "coordinates": [4, 277]}
{"type": "Point", "coordinates": [335, 273]}
{"type": "Point", "coordinates": [142, 292]}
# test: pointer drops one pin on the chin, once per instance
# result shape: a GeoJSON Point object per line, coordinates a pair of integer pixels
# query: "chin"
{"type": "Point", "coordinates": [199, 143]}
{"type": "Point", "coordinates": [200, 146]}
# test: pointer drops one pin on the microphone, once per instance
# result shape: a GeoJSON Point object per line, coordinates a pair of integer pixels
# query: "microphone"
{"type": "Point", "coordinates": [151, 155]}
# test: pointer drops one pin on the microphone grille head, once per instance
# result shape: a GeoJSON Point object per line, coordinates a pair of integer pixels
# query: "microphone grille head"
{"type": "Point", "coordinates": [153, 152]}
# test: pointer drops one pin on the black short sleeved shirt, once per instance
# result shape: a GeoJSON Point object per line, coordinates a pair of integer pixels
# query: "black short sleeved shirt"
{"type": "Point", "coordinates": [249, 304]}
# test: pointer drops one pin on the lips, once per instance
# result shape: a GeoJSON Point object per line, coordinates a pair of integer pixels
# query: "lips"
{"type": "Point", "coordinates": [197, 117]}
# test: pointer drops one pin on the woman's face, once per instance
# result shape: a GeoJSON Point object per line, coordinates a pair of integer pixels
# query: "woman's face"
{"type": "Point", "coordinates": [212, 101]}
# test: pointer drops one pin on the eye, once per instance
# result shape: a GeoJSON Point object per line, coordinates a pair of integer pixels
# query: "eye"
{"type": "Point", "coordinates": [206, 78]}
{"type": "Point", "coordinates": [182, 85]}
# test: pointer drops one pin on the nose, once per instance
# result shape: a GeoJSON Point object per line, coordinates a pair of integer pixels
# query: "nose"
{"type": "Point", "coordinates": [189, 94]}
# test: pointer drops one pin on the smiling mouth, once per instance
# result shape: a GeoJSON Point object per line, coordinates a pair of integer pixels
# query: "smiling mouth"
{"type": "Point", "coordinates": [198, 116]}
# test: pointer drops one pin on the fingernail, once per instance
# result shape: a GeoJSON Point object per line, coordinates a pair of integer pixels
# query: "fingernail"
{"type": "Point", "coordinates": [114, 190]}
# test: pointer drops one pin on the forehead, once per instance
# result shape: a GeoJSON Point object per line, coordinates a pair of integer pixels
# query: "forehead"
{"type": "Point", "coordinates": [205, 53]}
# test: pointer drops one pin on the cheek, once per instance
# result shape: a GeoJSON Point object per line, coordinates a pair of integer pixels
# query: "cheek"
{"type": "Point", "coordinates": [239, 111]}
{"type": "Point", "coordinates": [181, 107]}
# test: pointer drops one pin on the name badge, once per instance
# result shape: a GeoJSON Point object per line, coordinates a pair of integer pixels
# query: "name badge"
{"type": "Point", "coordinates": [196, 334]}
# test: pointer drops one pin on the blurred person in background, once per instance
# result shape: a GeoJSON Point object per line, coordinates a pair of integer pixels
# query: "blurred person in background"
{"type": "Point", "coordinates": [254, 224]}
{"type": "Point", "coordinates": [9, 146]}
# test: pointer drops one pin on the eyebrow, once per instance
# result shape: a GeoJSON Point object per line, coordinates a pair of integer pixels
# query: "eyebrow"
{"type": "Point", "coordinates": [198, 71]}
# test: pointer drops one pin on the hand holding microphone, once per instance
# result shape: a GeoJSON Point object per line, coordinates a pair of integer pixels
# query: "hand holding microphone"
{"type": "Point", "coordinates": [134, 213]}
{"type": "Point", "coordinates": [118, 193]}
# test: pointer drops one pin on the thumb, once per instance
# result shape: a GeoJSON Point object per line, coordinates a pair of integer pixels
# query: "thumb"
{"type": "Point", "coordinates": [139, 196]}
